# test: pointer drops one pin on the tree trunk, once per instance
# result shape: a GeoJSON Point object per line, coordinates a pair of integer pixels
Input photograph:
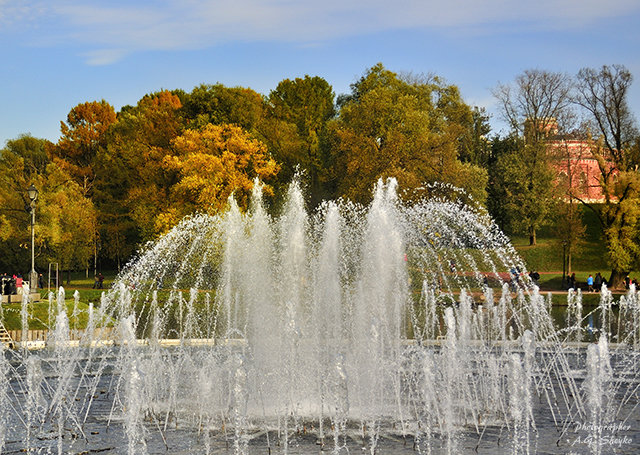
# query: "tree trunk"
{"type": "Point", "coordinates": [616, 280]}
{"type": "Point", "coordinates": [532, 236]}
{"type": "Point", "coordinates": [68, 276]}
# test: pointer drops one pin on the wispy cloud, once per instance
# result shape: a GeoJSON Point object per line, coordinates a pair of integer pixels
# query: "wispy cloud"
{"type": "Point", "coordinates": [111, 29]}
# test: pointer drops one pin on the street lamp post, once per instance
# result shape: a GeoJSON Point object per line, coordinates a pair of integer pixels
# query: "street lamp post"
{"type": "Point", "coordinates": [33, 278]}
{"type": "Point", "coordinates": [564, 249]}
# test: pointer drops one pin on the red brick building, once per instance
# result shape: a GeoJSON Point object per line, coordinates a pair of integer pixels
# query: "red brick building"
{"type": "Point", "coordinates": [577, 167]}
{"type": "Point", "coordinates": [574, 160]}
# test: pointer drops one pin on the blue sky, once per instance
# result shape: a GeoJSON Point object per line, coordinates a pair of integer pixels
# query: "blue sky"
{"type": "Point", "coordinates": [56, 54]}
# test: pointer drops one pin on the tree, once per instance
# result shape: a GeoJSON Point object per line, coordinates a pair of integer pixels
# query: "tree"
{"type": "Point", "coordinates": [131, 185]}
{"type": "Point", "coordinates": [407, 128]}
{"type": "Point", "coordinates": [308, 104]}
{"type": "Point", "coordinates": [69, 221]}
{"type": "Point", "coordinates": [570, 185]}
{"type": "Point", "coordinates": [208, 166]}
{"type": "Point", "coordinates": [65, 221]}
{"type": "Point", "coordinates": [603, 95]}
{"type": "Point", "coordinates": [475, 147]}
{"type": "Point", "coordinates": [82, 137]}
{"type": "Point", "coordinates": [536, 104]}
{"type": "Point", "coordinates": [526, 181]}
{"type": "Point", "coordinates": [22, 162]}
{"type": "Point", "coordinates": [217, 104]}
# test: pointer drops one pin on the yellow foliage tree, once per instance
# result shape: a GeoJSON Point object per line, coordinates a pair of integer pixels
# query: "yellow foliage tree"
{"type": "Point", "coordinates": [210, 164]}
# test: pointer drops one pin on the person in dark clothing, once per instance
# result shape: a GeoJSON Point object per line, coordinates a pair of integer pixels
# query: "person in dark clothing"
{"type": "Point", "coordinates": [100, 280]}
{"type": "Point", "coordinates": [597, 282]}
{"type": "Point", "coordinates": [535, 276]}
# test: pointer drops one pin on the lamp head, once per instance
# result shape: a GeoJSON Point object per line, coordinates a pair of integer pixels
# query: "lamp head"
{"type": "Point", "coordinates": [33, 192]}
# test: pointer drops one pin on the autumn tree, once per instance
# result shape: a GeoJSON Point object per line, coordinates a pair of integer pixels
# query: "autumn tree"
{"type": "Point", "coordinates": [65, 221]}
{"type": "Point", "coordinates": [131, 185]}
{"type": "Point", "coordinates": [83, 134]}
{"type": "Point", "coordinates": [603, 95]}
{"type": "Point", "coordinates": [208, 166]}
{"type": "Point", "coordinates": [69, 221]}
{"type": "Point", "coordinates": [407, 128]}
{"type": "Point", "coordinates": [307, 103]}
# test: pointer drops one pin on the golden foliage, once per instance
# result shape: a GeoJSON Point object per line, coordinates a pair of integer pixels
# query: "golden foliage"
{"type": "Point", "coordinates": [208, 166]}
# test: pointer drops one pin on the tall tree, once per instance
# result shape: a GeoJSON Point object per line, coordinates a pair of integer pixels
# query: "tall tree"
{"type": "Point", "coordinates": [475, 147]}
{"type": "Point", "coordinates": [571, 182]}
{"type": "Point", "coordinates": [603, 94]}
{"type": "Point", "coordinates": [217, 104]}
{"type": "Point", "coordinates": [83, 135]}
{"type": "Point", "coordinates": [131, 185]}
{"type": "Point", "coordinates": [308, 104]}
{"type": "Point", "coordinates": [23, 162]}
{"type": "Point", "coordinates": [407, 128]}
{"type": "Point", "coordinates": [536, 103]}
{"type": "Point", "coordinates": [526, 180]}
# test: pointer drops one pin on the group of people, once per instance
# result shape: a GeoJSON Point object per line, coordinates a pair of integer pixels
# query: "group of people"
{"type": "Point", "coordinates": [593, 284]}
{"type": "Point", "coordinates": [98, 281]}
{"type": "Point", "coordinates": [12, 284]}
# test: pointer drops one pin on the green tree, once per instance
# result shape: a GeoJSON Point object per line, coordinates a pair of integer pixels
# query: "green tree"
{"type": "Point", "coordinates": [603, 94]}
{"type": "Point", "coordinates": [538, 106]}
{"type": "Point", "coordinates": [308, 104]}
{"type": "Point", "coordinates": [526, 181]}
{"type": "Point", "coordinates": [217, 104]}
{"type": "Point", "coordinates": [475, 147]}
{"type": "Point", "coordinates": [569, 227]}
{"type": "Point", "coordinates": [407, 128]}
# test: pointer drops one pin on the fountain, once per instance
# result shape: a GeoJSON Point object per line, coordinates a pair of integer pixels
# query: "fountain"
{"type": "Point", "coordinates": [393, 328]}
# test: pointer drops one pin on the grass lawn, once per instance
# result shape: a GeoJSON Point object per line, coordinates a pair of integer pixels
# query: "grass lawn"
{"type": "Point", "coordinates": [39, 315]}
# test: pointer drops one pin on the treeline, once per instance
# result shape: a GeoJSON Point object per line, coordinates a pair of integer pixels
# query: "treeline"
{"type": "Point", "coordinates": [115, 180]}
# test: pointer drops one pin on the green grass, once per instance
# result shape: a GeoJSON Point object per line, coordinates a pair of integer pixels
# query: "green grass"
{"type": "Point", "coordinates": [39, 315]}
{"type": "Point", "coordinates": [79, 280]}
{"type": "Point", "coordinates": [547, 255]}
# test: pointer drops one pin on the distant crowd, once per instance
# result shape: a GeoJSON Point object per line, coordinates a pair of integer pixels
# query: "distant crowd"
{"type": "Point", "coordinates": [594, 283]}
{"type": "Point", "coordinates": [13, 284]}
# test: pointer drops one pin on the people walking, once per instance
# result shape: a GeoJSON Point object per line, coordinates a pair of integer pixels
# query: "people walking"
{"type": "Point", "coordinates": [597, 282]}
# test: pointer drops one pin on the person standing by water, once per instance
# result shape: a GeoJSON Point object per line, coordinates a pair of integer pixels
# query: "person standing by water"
{"type": "Point", "coordinates": [597, 282]}
{"type": "Point", "coordinates": [590, 283]}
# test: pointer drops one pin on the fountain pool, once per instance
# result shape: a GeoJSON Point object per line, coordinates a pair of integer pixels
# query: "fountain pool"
{"type": "Point", "coordinates": [391, 328]}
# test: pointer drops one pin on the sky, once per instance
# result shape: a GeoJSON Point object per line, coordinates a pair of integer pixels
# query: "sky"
{"type": "Point", "coordinates": [56, 54]}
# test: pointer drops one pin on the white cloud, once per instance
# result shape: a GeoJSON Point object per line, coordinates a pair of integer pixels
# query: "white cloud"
{"type": "Point", "coordinates": [121, 26]}
{"type": "Point", "coordinates": [104, 56]}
